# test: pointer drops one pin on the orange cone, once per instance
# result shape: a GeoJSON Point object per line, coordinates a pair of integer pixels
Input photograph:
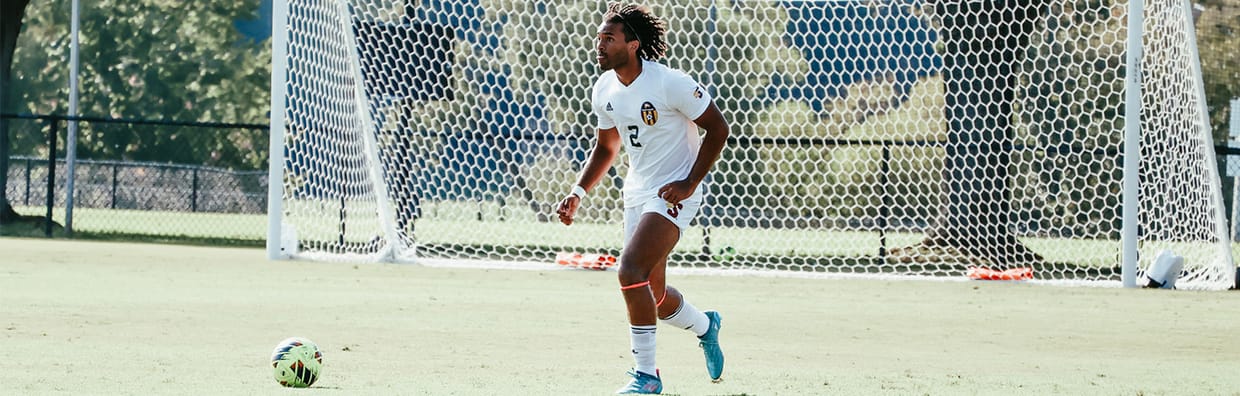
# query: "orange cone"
{"type": "Point", "coordinates": [585, 260]}
{"type": "Point", "coordinates": [983, 273]}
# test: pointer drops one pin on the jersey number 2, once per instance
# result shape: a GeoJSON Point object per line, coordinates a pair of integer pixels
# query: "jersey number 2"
{"type": "Point", "coordinates": [633, 136]}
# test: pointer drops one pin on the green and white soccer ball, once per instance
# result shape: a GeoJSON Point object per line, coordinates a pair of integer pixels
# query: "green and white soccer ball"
{"type": "Point", "coordinates": [297, 362]}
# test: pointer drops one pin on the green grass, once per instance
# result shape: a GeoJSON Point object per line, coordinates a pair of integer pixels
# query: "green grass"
{"type": "Point", "coordinates": [119, 318]}
{"type": "Point", "coordinates": [456, 224]}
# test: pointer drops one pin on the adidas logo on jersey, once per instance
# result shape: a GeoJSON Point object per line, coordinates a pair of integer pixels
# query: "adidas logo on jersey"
{"type": "Point", "coordinates": [608, 106]}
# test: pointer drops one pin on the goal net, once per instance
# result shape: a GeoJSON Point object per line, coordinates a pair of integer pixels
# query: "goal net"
{"type": "Point", "coordinates": [869, 138]}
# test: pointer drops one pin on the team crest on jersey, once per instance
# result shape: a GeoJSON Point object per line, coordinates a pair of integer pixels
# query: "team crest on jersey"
{"type": "Point", "coordinates": [697, 92]}
{"type": "Point", "coordinates": [649, 114]}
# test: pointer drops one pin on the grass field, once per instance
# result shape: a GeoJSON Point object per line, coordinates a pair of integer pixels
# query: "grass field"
{"type": "Point", "coordinates": [455, 223]}
{"type": "Point", "coordinates": [117, 318]}
{"type": "Point", "coordinates": [458, 227]}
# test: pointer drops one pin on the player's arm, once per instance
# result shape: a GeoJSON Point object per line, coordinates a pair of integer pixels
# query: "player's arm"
{"type": "Point", "coordinates": [606, 146]}
{"type": "Point", "coordinates": [716, 137]}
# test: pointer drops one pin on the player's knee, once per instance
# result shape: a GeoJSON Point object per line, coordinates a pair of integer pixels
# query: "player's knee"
{"type": "Point", "coordinates": [632, 274]}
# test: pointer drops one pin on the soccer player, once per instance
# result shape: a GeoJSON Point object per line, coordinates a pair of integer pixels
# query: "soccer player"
{"type": "Point", "coordinates": [654, 112]}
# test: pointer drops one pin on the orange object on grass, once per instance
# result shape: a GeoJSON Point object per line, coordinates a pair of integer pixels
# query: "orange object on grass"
{"type": "Point", "coordinates": [983, 273]}
{"type": "Point", "coordinates": [585, 260]}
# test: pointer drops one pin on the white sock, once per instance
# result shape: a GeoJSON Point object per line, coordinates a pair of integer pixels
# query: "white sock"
{"type": "Point", "coordinates": [689, 318]}
{"type": "Point", "coordinates": [643, 348]}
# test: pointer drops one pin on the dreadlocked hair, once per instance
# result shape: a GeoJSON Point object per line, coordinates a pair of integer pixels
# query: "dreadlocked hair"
{"type": "Point", "coordinates": [642, 25]}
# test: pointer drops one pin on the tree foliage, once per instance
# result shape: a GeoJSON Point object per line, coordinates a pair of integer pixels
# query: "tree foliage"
{"type": "Point", "coordinates": [148, 59]}
{"type": "Point", "coordinates": [1218, 38]}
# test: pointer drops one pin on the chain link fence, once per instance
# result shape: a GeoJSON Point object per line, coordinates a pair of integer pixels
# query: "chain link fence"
{"type": "Point", "coordinates": [135, 199]}
{"type": "Point", "coordinates": [144, 199]}
{"type": "Point", "coordinates": [146, 186]}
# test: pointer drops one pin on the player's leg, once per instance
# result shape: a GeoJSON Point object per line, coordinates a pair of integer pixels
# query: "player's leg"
{"type": "Point", "coordinates": [647, 246]}
{"type": "Point", "coordinates": [650, 243]}
{"type": "Point", "coordinates": [675, 310]}
{"type": "Point", "coordinates": [664, 296]}
{"type": "Point", "coordinates": [678, 312]}
{"type": "Point", "coordinates": [671, 304]}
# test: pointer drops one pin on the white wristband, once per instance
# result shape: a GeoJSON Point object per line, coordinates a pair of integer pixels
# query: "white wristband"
{"type": "Point", "coordinates": [579, 191]}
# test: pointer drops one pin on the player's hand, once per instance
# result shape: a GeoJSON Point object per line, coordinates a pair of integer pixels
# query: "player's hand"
{"type": "Point", "coordinates": [674, 192]}
{"type": "Point", "coordinates": [568, 208]}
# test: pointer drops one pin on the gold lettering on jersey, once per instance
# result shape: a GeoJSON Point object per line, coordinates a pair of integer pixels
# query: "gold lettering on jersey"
{"type": "Point", "coordinates": [649, 114]}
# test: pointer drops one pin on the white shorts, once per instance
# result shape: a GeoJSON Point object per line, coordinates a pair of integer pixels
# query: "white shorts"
{"type": "Point", "coordinates": [681, 215]}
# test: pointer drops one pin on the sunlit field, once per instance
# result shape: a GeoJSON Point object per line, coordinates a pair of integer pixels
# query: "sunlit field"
{"type": "Point", "coordinates": [121, 318]}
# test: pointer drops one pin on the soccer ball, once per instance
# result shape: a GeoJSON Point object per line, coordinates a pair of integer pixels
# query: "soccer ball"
{"type": "Point", "coordinates": [296, 362]}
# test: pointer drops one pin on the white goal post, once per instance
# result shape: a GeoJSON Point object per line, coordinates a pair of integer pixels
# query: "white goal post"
{"type": "Point", "coordinates": [1065, 141]}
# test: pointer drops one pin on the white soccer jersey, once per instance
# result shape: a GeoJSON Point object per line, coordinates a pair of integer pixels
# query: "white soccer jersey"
{"type": "Point", "coordinates": [654, 116]}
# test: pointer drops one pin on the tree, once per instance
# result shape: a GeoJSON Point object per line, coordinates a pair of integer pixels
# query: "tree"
{"type": "Point", "coordinates": [145, 59]}
{"type": "Point", "coordinates": [150, 59]}
{"type": "Point", "coordinates": [976, 204]}
{"type": "Point", "coordinates": [980, 56]}
{"type": "Point", "coordinates": [1218, 36]}
{"type": "Point", "coordinates": [11, 14]}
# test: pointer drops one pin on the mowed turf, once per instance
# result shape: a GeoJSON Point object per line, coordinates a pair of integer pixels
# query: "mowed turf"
{"type": "Point", "coordinates": [118, 318]}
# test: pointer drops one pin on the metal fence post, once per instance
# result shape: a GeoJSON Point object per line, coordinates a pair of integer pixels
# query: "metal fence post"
{"type": "Point", "coordinates": [193, 194]}
{"type": "Point", "coordinates": [26, 200]}
{"type": "Point", "coordinates": [115, 174]}
{"type": "Point", "coordinates": [53, 127]}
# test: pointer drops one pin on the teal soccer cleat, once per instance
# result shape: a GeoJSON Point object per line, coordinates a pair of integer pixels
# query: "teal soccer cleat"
{"type": "Point", "coordinates": [642, 384]}
{"type": "Point", "coordinates": [710, 347]}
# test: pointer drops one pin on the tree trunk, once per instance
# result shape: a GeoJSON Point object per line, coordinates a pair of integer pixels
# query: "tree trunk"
{"type": "Point", "coordinates": [984, 42]}
{"type": "Point", "coordinates": [11, 14]}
